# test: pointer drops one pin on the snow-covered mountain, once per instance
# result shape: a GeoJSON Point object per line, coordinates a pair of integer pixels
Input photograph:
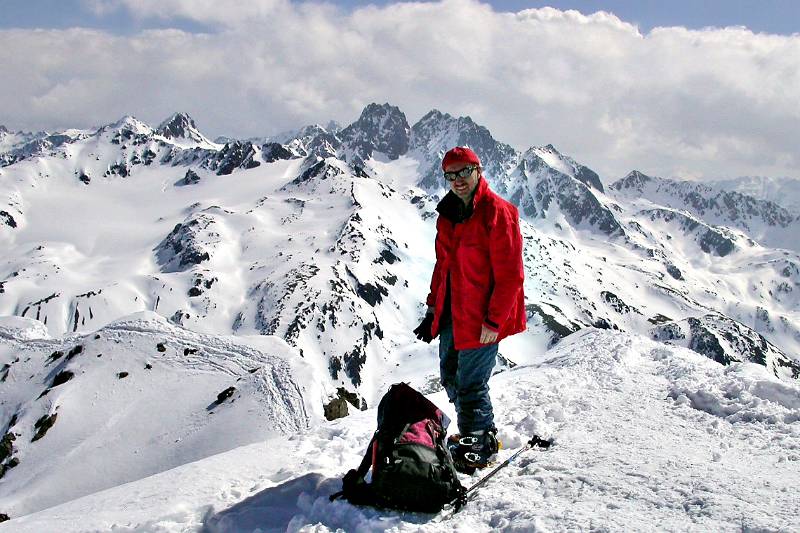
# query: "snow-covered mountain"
{"type": "Point", "coordinates": [16, 146]}
{"type": "Point", "coordinates": [437, 132]}
{"type": "Point", "coordinates": [782, 191]}
{"type": "Point", "coordinates": [762, 220]}
{"type": "Point", "coordinates": [181, 126]}
{"type": "Point", "coordinates": [320, 243]}
{"type": "Point", "coordinates": [659, 232]}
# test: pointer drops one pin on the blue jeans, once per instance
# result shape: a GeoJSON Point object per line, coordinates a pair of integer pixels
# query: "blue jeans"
{"type": "Point", "coordinates": [465, 376]}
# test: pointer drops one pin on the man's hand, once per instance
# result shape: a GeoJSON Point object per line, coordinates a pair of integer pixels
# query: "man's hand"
{"type": "Point", "coordinates": [423, 331]}
{"type": "Point", "coordinates": [487, 335]}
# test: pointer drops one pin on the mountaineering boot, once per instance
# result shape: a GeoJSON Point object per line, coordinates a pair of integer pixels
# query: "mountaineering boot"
{"type": "Point", "coordinates": [474, 450]}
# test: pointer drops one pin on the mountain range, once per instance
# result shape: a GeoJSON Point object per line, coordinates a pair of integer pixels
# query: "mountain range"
{"type": "Point", "coordinates": [305, 258]}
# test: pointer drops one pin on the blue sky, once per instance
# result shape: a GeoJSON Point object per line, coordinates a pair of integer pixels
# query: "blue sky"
{"type": "Point", "coordinates": [770, 16]}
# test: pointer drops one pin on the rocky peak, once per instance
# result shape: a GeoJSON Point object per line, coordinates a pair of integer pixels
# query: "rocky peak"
{"type": "Point", "coordinates": [314, 141]}
{"type": "Point", "coordinates": [380, 128]}
{"type": "Point", "coordinates": [178, 125]}
{"type": "Point", "coordinates": [333, 126]}
{"type": "Point", "coordinates": [635, 180]}
{"type": "Point", "coordinates": [181, 126]}
{"type": "Point", "coordinates": [309, 141]}
{"type": "Point", "coordinates": [431, 117]}
{"type": "Point", "coordinates": [129, 123]}
{"type": "Point", "coordinates": [315, 135]}
{"type": "Point", "coordinates": [127, 131]}
{"type": "Point", "coordinates": [307, 133]}
{"type": "Point", "coordinates": [3, 129]}
{"type": "Point", "coordinates": [437, 132]}
{"type": "Point", "coordinates": [543, 184]}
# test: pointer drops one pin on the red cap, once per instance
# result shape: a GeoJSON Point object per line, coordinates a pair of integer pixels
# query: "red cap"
{"type": "Point", "coordinates": [460, 154]}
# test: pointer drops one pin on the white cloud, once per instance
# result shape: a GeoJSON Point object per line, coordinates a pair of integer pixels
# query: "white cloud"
{"type": "Point", "coordinates": [706, 103]}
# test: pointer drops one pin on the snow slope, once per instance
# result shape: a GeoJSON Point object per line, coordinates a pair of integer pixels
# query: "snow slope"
{"type": "Point", "coordinates": [137, 397]}
{"type": "Point", "coordinates": [647, 438]}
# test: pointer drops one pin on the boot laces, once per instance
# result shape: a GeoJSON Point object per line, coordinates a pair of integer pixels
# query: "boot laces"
{"type": "Point", "coordinates": [473, 457]}
{"type": "Point", "coordinates": [468, 441]}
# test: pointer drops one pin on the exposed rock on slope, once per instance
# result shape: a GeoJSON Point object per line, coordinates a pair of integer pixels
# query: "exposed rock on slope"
{"type": "Point", "coordinates": [539, 189]}
{"type": "Point", "coordinates": [189, 243]}
{"type": "Point", "coordinates": [233, 156]}
{"type": "Point", "coordinates": [725, 341]}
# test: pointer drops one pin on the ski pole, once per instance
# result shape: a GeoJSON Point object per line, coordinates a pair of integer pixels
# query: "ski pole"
{"type": "Point", "coordinates": [462, 499]}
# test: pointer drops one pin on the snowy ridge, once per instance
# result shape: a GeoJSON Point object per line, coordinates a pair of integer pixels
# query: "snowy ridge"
{"type": "Point", "coordinates": [782, 191]}
{"type": "Point", "coordinates": [646, 437]}
{"type": "Point", "coordinates": [135, 398]}
{"type": "Point", "coordinates": [765, 221]}
{"type": "Point", "coordinates": [567, 165]}
{"type": "Point", "coordinates": [16, 146]}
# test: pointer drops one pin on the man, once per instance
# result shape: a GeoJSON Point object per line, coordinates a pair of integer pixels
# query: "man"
{"type": "Point", "coordinates": [476, 299]}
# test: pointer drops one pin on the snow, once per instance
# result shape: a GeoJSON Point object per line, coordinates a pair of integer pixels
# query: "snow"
{"type": "Point", "coordinates": [22, 329]}
{"type": "Point", "coordinates": [142, 399]}
{"type": "Point", "coordinates": [645, 437]}
{"type": "Point", "coordinates": [553, 159]}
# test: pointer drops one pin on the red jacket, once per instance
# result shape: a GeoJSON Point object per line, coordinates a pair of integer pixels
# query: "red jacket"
{"type": "Point", "coordinates": [483, 255]}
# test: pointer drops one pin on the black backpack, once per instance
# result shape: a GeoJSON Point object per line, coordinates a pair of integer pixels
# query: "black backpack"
{"type": "Point", "coordinates": [412, 469]}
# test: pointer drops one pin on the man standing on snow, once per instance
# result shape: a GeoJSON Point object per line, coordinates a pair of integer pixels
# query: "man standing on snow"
{"type": "Point", "coordinates": [476, 299]}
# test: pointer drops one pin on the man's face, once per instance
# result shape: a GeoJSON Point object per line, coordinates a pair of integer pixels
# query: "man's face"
{"type": "Point", "coordinates": [463, 187]}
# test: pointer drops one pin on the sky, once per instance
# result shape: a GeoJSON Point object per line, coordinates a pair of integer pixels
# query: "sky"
{"type": "Point", "coordinates": [770, 16]}
{"type": "Point", "coordinates": [675, 89]}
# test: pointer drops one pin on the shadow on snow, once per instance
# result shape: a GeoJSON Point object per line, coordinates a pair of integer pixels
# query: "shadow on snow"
{"type": "Point", "coordinates": [303, 501]}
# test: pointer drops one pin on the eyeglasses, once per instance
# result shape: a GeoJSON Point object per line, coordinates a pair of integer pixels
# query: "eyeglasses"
{"type": "Point", "coordinates": [463, 173]}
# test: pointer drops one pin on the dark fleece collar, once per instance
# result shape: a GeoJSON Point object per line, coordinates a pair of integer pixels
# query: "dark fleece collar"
{"type": "Point", "coordinates": [453, 209]}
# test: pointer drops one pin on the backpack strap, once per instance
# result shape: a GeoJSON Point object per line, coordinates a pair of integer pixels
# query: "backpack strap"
{"type": "Point", "coordinates": [354, 488]}
{"type": "Point", "coordinates": [369, 457]}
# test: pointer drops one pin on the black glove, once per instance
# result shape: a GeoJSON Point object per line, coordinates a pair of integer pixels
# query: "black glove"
{"type": "Point", "coordinates": [423, 331]}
